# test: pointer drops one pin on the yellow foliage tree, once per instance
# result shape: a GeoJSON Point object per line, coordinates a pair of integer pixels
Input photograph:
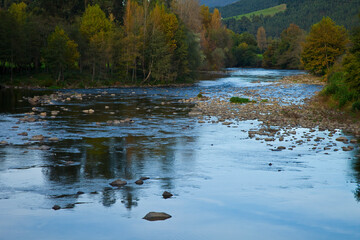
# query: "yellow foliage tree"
{"type": "Point", "coordinates": [97, 29]}
{"type": "Point", "coordinates": [18, 11]}
{"type": "Point", "coordinates": [261, 38]}
{"type": "Point", "coordinates": [324, 44]}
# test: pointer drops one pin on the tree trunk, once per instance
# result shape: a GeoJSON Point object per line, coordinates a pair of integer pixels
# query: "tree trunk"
{"type": "Point", "coordinates": [11, 67]}
{"type": "Point", "coordinates": [59, 76]}
{"type": "Point", "coordinates": [93, 71]}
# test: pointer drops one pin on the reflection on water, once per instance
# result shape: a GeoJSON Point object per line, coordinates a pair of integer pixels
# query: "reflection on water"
{"type": "Point", "coordinates": [221, 179]}
{"type": "Point", "coordinates": [356, 167]}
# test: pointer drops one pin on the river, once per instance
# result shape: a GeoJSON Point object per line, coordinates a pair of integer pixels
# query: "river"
{"type": "Point", "coordinates": [223, 183]}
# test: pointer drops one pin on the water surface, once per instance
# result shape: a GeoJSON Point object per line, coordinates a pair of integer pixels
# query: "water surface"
{"type": "Point", "coordinates": [222, 183]}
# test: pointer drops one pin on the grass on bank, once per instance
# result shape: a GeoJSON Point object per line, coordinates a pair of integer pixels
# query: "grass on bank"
{"type": "Point", "coordinates": [339, 95]}
{"type": "Point", "coordinates": [265, 12]}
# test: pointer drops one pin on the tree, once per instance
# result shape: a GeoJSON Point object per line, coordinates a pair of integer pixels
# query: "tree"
{"type": "Point", "coordinates": [7, 41]}
{"type": "Point", "coordinates": [270, 57]}
{"type": "Point", "coordinates": [97, 29]}
{"type": "Point", "coordinates": [216, 40]}
{"type": "Point", "coordinates": [261, 39]}
{"type": "Point", "coordinates": [18, 11]}
{"type": "Point", "coordinates": [290, 48]}
{"type": "Point", "coordinates": [133, 41]}
{"type": "Point", "coordinates": [352, 63]}
{"type": "Point", "coordinates": [189, 12]}
{"type": "Point", "coordinates": [166, 26]}
{"type": "Point", "coordinates": [60, 53]}
{"type": "Point", "coordinates": [324, 44]}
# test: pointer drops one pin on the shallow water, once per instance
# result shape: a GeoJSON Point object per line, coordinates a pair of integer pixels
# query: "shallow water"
{"type": "Point", "coordinates": [222, 183]}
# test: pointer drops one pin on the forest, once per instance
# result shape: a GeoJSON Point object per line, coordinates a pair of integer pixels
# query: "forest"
{"type": "Point", "coordinates": [303, 13]}
{"type": "Point", "coordinates": [107, 42]}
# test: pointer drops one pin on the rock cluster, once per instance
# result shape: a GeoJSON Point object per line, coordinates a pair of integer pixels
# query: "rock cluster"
{"type": "Point", "coordinates": [275, 112]}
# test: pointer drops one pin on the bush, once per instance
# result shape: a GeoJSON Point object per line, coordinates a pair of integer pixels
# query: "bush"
{"type": "Point", "coordinates": [240, 100]}
{"type": "Point", "coordinates": [356, 106]}
{"type": "Point", "coordinates": [340, 90]}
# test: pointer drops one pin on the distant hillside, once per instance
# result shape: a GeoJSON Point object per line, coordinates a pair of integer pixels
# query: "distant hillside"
{"type": "Point", "coordinates": [265, 12]}
{"type": "Point", "coordinates": [246, 6]}
{"type": "Point", "coordinates": [303, 13]}
{"type": "Point", "coordinates": [216, 3]}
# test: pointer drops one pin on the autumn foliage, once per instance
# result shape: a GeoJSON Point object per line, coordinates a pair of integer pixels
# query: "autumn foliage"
{"type": "Point", "coordinates": [324, 44]}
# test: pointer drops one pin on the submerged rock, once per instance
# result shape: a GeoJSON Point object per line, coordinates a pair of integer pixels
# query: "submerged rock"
{"type": "Point", "coordinates": [118, 183]}
{"type": "Point", "coordinates": [56, 207]}
{"type": "Point", "coordinates": [37, 138]}
{"type": "Point", "coordinates": [139, 182]}
{"type": "Point", "coordinates": [156, 216]}
{"type": "Point", "coordinates": [167, 195]}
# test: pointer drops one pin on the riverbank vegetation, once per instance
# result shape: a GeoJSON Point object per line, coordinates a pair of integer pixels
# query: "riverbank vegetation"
{"type": "Point", "coordinates": [343, 89]}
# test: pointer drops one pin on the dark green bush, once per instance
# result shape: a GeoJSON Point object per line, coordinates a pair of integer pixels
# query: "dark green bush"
{"type": "Point", "coordinates": [356, 106]}
{"type": "Point", "coordinates": [240, 100]}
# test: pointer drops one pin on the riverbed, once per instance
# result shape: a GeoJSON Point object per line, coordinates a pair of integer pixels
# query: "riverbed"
{"type": "Point", "coordinates": [226, 183]}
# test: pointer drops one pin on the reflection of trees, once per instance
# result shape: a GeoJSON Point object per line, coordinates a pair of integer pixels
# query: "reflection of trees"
{"type": "Point", "coordinates": [9, 99]}
{"type": "Point", "coordinates": [356, 167]}
{"type": "Point", "coordinates": [108, 197]}
{"type": "Point", "coordinates": [128, 197]}
{"type": "Point", "coordinates": [128, 158]}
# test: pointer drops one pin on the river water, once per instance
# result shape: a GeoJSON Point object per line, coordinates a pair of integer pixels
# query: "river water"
{"type": "Point", "coordinates": [223, 185]}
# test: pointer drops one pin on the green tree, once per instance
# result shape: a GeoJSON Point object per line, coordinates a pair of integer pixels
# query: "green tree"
{"type": "Point", "coordinates": [18, 11]}
{"type": "Point", "coordinates": [352, 63]}
{"type": "Point", "coordinates": [270, 56]}
{"type": "Point", "coordinates": [290, 48]}
{"type": "Point", "coordinates": [324, 44]}
{"type": "Point", "coordinates": [60, 53]}
{"type": "Point", "coordinates": [133, 41]}
{"type": "Point", "coordinates": [97, 29]}
{"type": "Point", "coordinates": [245, 50]}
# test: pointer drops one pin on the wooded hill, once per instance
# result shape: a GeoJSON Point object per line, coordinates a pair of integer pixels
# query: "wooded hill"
{"type": "Point", "coordinates": [216, 3]}
{"type": "Point", "coordinates": [246, 6]}
{"type": "Point", "coordinates": [303, 13]}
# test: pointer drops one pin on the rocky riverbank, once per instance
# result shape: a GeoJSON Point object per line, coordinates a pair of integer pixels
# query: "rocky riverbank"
{"type": "Point", "coordinates": [279, 116]}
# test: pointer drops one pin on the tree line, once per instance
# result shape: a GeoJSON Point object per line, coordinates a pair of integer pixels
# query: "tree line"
{"type": "Point", "coordinates": [147, 42]}
{"type": "Point", "coordinates": [139, 42]}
